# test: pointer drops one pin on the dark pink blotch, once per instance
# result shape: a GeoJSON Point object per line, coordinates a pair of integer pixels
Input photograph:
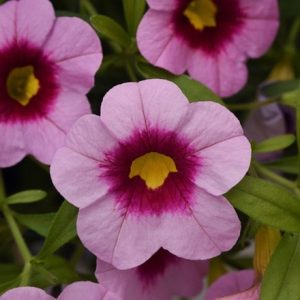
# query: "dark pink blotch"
{"type": "Point", "coordinates": [19, 55]}
{"type": "Point", "coordinates": [132, 195]}
{"type": "Point", "coordinates": [153, 268]}
{"type": "Point", "coordinates": [229, 20]}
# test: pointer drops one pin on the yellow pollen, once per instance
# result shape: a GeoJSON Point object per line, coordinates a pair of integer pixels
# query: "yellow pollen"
{"type": "Point", "coordinates": [201, 13]}
{"type": "Point", "coordinates": [22, 85]}
{"type": "Point", "coordinates": [153, 168]}
{"type": "Point", "coordinates": [266, 241]}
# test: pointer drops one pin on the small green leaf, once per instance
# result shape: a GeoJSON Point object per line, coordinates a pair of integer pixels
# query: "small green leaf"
{"type": "Point", "coordinates": [51, 271]}
{"type": "Point", "coordinates": [62, 230]}
{"type": "Point", "coordinates": [279, 88]}
{"type": "Point", "coordinates": [26, 197]}
{"type": "Point", "coordinates": [285, 164]}
{"type": "Point", "coordinates": [9, 272]}
{"type": "Point", "coordinates": [134, 10]}
{"type": "Point", "coordinates": [111, 30]}
{"type": "Point", "coordinates": [5, 286]}
{"type": "Point", "coordinates": [281, 280]}
{"type": "Point", "coordinates": [194, 90]}
{"type": "Point", "coordinates": [274, 144]}
{"type": "Point", "coordinates": [39, 223]}
{"type": "Point", "coordinates": [267, 203]}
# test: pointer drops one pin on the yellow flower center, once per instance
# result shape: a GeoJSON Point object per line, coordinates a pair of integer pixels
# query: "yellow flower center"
{"type": "Point", "coordinates": [201, 13]}
{"type": "Point", "coordinates": [153, 168]}
{"type": "Point", "coordinates": [22, 85]}
{"type": "Point", "coordinates": [266, 241]}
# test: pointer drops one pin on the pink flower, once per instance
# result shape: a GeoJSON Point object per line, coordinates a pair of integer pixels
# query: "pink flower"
{"type": "Point", "coordinates": [241, 285]}
{"type": "Point", "coordinates": [149, 174]}
{"type": "Point", "coordinates": [76, 291]}
{"type": "Point", "coordinates": [210, 39]}
{"type": "Point", "coordinates": [47, 65]}
{"type": "Point", "coordinates": [161, 277]}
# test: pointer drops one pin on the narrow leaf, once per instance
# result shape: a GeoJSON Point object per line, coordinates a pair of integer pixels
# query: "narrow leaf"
{"type": "Point", "coordinates": [194, 90]}
{"type": "Point", "coordinates": [275, 143]}
{"type": "Point", "coordinates": [39, 223]}
{"type": "Point", "coordinates": [267, 203]}
{"type": "Point", "coordinates": [110, 29]}
{"type": "Point", "coordinates": [134, 10]}
{"type": "Point", "coordinates": [281, 280]}
{"type": "Point", "coordinates": [285, 164]}
{"type": "Point", "coordinates": [279, 88]}
{"type": "Point", "coordinates": [5, 286]}
{"type": "Point", "coordinates": [62, 230]}
{"type": "Point", "coordinates": [26, 197]}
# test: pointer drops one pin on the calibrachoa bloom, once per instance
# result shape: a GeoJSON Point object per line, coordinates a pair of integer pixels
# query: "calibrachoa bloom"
{"type": "Point", "coordinates": [47, 65]}
{"type": "Point", "coordinates": [149, 173]}
{"type": "Point", "coordinates": [161, 277]}
{"type": "Point", "coordinates": [211, 39]}
{"type": "Point", "coordinates": [77, 291]}
{"type": "Point", "coordinates": [239, 285]}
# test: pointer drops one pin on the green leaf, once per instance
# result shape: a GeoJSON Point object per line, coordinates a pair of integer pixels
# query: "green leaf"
{"type": "Point", "coordinates": [9, 272]}
{"type": "Point", "coordinates": [267, 203]}
{"type": "Point", "coordinates": [285, 164]}
{"type": "Point", "coordinates": [274, 144]}
{"type": "Point", "coordinates": [39, 223]}
{"type": "Point", "coordinates": [194, 90]}
{"type": "Point", "coordinates": [5, 286]}
{"type": "Point", "coordinates": [53, 270]}
{"type": "Point", "coordinates": [281, 280]}
{"type": "Point", "coordinates": [279, 88]}
{"type": "Point", "coordinates": [26, 197]}
{"type": "Point", "coordinates": [134, 10]}
{"type": "Point", "coordinates": [62, 230]}
{"type": "Point", "coordinates": [110, 29]}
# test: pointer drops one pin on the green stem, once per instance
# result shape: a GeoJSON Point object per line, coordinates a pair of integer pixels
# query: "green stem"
{"type": "Point", "coordinates": [88, 7]}
{"type": "Point", "coordinates": [131, 72]}
{"type": "Point", "coordinates": [274, 177]}
{"type": "Point", "coordinates": [13, 226]}
{"type": "Point", "coordinates": [250, 105]}
{"type": "Point", "coordinates": [25, 275]}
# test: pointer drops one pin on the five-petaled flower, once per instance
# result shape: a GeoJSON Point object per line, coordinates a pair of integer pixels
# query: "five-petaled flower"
{"type": "Point", "coordinates": [149, 173]}
{"type": "Point", "coordinates": [161, 277]}
{"type": "Point", "coordinates": [211, 39]}
{"type": "Point", "coordinates": [76, 291]}
{"type": "Point", "coordinates": [45, 72]}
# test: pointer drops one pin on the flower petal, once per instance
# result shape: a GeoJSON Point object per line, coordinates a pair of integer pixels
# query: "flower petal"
{"type": "Point", "coordinates": [197, 125]}
{"type": "Point", "coordinates": [23, 293]}
{"type": "Point", "coordinates": [211, 228]}
{"type": "Point", "coordinates": [123, 234]}
{"type": "Point", "coordinates": [163, 5]}
{"type": "Point", "coordinates": [231, 283]}
{"type": "Point", "coordinates": [42, 139]}
{"type": "Point", "coordinates": [76, 49]}
{"type": "Point", "coordinates": [223, 165]}
{"type": "Point", "coordinates": [7, 23]}
{"type": "Point", "coordinates": [159, 44]}
{"type": "Point", "coordinates": [31, 26]}
{"type": "Point", "coordinates": [83, 186]}
{"type": "Point", "coordinates": [181, 277]}
{"type": "Point", "coordinates": [86, 145]}
{"type": "Point", "coordinates": [11, 144]}
{"type": "Point", "coordinates": [256, 35]}
{"type": "Point", "coordinates": [68, 108]}
{"type": "Point", "coordinates": [86, 290]}
{"type": "Point", "coordinates": [132, 107]}
{"type": "Point", "coordinates": [223, 74]}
